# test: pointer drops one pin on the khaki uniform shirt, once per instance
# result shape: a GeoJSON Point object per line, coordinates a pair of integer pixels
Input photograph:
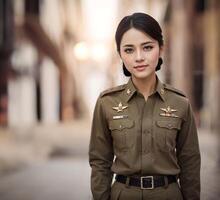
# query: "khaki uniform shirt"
{"type": "Point", "coordinates": [131, 136]}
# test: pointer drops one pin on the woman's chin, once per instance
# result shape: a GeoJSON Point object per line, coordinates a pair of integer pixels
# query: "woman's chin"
{"type": "Point", "coordinates": [143, 75]}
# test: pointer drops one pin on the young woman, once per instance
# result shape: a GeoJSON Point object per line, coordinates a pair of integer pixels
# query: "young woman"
{"type": "Point", "coordinates": [144, 131]}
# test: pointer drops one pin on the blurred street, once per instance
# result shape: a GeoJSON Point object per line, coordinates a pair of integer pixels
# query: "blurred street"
{"type": "Point", "coordinates": [52, 163]}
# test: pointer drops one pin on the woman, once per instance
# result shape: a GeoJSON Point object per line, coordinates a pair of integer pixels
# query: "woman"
{"type": "Point", "coordinates": [144, 131]}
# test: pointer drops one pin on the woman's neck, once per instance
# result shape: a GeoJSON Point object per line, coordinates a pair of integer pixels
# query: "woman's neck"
{"type": "Point", "coordinates": [145, 86]}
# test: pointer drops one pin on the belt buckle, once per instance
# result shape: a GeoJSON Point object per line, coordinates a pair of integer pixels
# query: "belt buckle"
{"type": "Point", "coordinates": [152, 182]}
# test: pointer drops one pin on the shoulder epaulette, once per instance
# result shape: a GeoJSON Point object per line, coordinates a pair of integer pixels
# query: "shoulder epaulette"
{"type": "Point", "coordinates": [169, 87]}
{"type": "Point", "coordinates": [112, 90]}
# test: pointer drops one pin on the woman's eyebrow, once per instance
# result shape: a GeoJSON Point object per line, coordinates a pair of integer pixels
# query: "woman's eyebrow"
{"type": "Point", "coordinates": [144, 43]}
{"type": "Point", "coordinates": [128, 45]}
{"type": "Point", "coordinates": [148, 42]}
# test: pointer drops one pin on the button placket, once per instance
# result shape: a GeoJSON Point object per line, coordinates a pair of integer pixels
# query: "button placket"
{"type": "Point", "coordinates": [147, 126]}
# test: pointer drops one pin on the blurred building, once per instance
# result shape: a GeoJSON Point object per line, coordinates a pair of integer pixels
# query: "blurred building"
{"type": "Point", "coordinates": [192, 55]}
{"type": "Point", "coordinates": [42, 85]}
{"type": "Point", "coordinates": [63, 54]}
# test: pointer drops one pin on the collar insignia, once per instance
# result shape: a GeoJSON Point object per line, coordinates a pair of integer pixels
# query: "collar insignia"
{"type": "Point", "coordinates": [128, 92]}
{"type": "Point", "coordinates": [119, 108]}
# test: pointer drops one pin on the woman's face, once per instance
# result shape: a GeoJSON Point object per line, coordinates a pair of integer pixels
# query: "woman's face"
{"type": "Point", "coordinates": [140, 53]}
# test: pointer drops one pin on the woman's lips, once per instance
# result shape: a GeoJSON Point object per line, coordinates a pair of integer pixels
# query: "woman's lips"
{"type": "Point", "coordinates": [140, 67]}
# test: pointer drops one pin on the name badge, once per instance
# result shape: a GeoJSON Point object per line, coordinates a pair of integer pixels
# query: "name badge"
{"type": "Point", "coordinates": [120, 116]}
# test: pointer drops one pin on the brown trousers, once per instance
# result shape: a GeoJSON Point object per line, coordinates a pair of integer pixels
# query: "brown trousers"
{"type": "Point", "coordinates": [122, 192]}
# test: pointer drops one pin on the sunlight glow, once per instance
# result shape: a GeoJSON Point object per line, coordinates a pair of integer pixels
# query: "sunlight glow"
{"type": "Point", "coordinates": [99, 52]}
{"type": "Point", "coordinates": [100, 17]}
{"type": "Point", "coordinates": [81, 51]}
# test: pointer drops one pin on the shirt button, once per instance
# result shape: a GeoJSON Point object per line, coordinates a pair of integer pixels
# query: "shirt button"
{"type": "Point", "coordinates": [169, 126]}
{"type": "Point", "coordinates": [146, 131]}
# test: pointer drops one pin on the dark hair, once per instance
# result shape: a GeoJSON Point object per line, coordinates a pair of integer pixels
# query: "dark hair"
{"type": "Point", "coordinates": [144, 23]}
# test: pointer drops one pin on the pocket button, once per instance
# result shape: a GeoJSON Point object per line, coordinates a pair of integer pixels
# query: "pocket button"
{"type": "Point", "coordinates": [170, 126]}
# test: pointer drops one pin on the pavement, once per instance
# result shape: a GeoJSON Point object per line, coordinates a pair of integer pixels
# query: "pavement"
{"type": "Point", "coordinates": [50, 162]}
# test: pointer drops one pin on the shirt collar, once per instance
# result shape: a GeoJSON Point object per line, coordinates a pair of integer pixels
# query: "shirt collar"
{"type": "Point", "coordinates": [160, 89]}
{"type": "Point", "coordinates": [130, 89]}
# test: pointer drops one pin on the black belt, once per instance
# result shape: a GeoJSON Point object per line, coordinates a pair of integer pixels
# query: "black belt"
{"type": "Point", "coordinates": [146, 182]}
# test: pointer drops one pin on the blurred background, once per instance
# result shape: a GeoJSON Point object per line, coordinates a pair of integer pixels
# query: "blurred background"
{"type": "Point", "coordinates": [57, 56]}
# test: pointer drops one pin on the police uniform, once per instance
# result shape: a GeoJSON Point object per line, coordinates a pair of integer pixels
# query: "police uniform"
{"type": "Point", "coordinates": [151, 146]}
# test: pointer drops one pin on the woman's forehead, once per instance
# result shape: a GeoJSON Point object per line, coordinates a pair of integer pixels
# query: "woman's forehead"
{"type": "Point", "coordinates": [136, 37]}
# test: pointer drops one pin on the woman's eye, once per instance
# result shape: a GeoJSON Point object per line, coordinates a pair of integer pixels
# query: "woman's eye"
{"type": "Point", "coordinates": [148, 48]}
{"type": "Point", "coordinates": [128, 50]}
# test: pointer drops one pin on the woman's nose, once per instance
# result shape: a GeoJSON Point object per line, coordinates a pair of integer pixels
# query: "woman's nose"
{"type": "Point", "coordinates": [139, 56]}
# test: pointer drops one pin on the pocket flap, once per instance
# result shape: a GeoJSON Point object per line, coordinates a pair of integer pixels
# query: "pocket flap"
{"type": "Point", "coordinates": [170, 124]}
{"type": "Point", "coordinates": [120, 124]}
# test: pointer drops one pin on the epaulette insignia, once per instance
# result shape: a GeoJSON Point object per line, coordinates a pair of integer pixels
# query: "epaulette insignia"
{"type": "Point", "coordinates": [112, 90]}
{"type": "Point", "coordinates": [169, 87]}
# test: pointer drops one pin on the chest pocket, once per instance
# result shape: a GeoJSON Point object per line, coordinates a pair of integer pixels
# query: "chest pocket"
{"type": "Point", "coordinates": [166, 133]}
{"type": "Point", "coordinates": [122, 133]}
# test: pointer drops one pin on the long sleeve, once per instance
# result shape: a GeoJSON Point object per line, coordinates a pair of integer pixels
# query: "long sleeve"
{"type": "Point", "coordinates": [100, 155]}
{"type": "Point", "coordinates": [188, 155]}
